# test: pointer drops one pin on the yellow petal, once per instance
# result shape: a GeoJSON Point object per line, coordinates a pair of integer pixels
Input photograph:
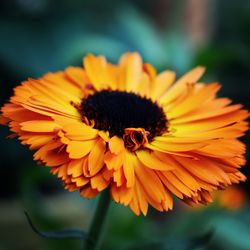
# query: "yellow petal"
{"type": "Point", "coordinates": [150, 70]}
{"type": "Point", "coordinates": [122, 194]}
{"type": "Point", "coordinates": [150, 182]}
{"type": "Point", "coordinates": [104, 135]}
{"type": "Point", "coordinates": [217, 113]}
{"type": "Point", "coordinates": [75, 168]}
{"type": "Point", "coordinates": [98, 182]}
{"type": "Point", "coordinates": [36, 141]}
{"type": "Point", "coordinates": [113, 161]}
{"type": "Point", "coordinates": [175, 147]}
{"type": "Point", "coordinates": [78, 131]}
{"type": "Point", "coordinates": [162, 82]}
{"type": "Point", "coordinates": [175, 181]}
{"type": "Point", "coordinates": [190, 77]}
{"type": "Point", "coordinates": [209, 124]}
{"type": "Point", "coordinates": [89, 192]}
{"type": "Point", "coordinates": [151, 161]}
{"type": "Point", "coordinates": [129, 164]}
{"type": "Point", "coordinates": [194, 101]}
{"type": "Point", "coordinates": [95, 67]}
{"type": "Point", "coordinates": [143, 204]}
{"type": "Point", "coordinates": [131, 69]}
{"type": "Point", "coordinates": [179, 171]}
{"type": "Point", "coordinates": [39, 126]}
{"type": "Point", "coordinates": [119, 177]}
{"type": "Point", "coordinates": [116, 145]}
{"type": "Point", "coordinates": [96, 157]}
{"type": "Point", "coordinates": [143, 87]}
{"type": "Point", "coordinates": [134, 205]}
{"type": "Point", "coordinates": [201, 169]}
{"type": "Point", "coordinates": [170, 186]}
{"type": "Point", "coordinates": [78, 149]}
{"type": "Point", "coordinates": [78, 76]}
{"type": "Point", "coordinates": [80, 181]}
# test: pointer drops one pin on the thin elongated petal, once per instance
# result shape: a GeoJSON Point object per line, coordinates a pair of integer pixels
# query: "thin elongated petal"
{"type": "Point", "coordinates": [39, 126]}
{"type": "Point", "coordinates": [129, 165]}
{"type": "Point", "coordinates": [190, 77]}
{"type": "Point", "coordinates": [96, 70]}
{"type": "Point", "coordinates": [131, 69]}
{"type": "Point", "coordinates": [78, 131]}
{"type": "Point", "coordinates": [151, 161]}
{"type": "Point", "coordinates": [116, 145]}
{"type": "Point", "coordinates": [162, 83]}
{"type": "Point", "coordinates": [96, 157]}
{"type": "Point", "coordinates": [78, 149]}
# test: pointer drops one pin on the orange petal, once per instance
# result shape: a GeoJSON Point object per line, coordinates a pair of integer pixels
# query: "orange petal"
{"type": "Point", "coordinates": [98, 182]}
{"type": "Point", "coordinates": [130, 161]}
{"type": "Point", "coordinates": [162, 82]}
{"type": "Point", "coordinates": [228, 148]}
{"type": "Point", "coordinates": [131, 69]}
{"type": "Point", "coordinates": [78, 149]}
{"type": "Point", "coordinates": [96, 157]}
{"type": "Point", "coordinates": [88, 192]}
{"type": "Point", "coordinates": [122, 194]}
{"type": "Point", "coordinates": [175, 181]}
{"type": "Point", "coordinates": [39, 126]}
{"type": "Point", "coordinates": [119, 177]}
{"type": "Point", "coordinates": [35, 140]}
{"type": "Point", "coordinates": [113, 161]}
{"type": "Point", "coordinates": [202, 169]}
{"type": "Point", "coordinates": [150, 182]}
{"type": "Point", "coordinates": [174, 147]}
{"type": "Point", "coordinates": [194, 101]}
{"type": "Point", "coordinates": [169, 185]}
{"type": "Point", "coordinates": [134, 205]}
{"type": "Point", "coordinates": [18, 113]}
{"type": "Point", "coordinates": [151, 161]}
{"type": "Point", "coordinates": [143, 88]}
{"type": "Point", "coordinates": [184, 176]}
{"type": "Point", "coordinates": [190, 77]}
{"type": "Point", "coordinates": [79, 131]}
{"type": "Point", "coordinates": [215, 116]}
{"type": "Point", "coordinates": [80, 181]}
{"type": "Point", "coordinates": [78, 76]}
{"type": "Point", "coordinates": [96, 68]}
{"type": "Point", "coordinates": [75, 168]}
{"type": "Point", "coordinates": [143, 204]}
{"type": "Point", "coordinates": [116, 145]}
{"type": "Point", "coordinates": [150, 70]}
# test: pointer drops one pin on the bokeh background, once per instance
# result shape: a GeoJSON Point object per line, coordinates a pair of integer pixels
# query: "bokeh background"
{"type": "Point", "coordinates": [37, 36]}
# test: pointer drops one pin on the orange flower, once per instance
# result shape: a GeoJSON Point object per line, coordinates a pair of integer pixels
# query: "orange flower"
{"type": "Point", "coordinates": [144, 136]}
{"type": "Point", "coordinates": [233, 198]}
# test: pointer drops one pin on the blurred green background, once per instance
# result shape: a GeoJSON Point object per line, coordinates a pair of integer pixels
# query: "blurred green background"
{"type": "Point", "coordinates": [37, 36]}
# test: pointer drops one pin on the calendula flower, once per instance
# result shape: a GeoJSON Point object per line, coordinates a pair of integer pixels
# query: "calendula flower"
{"type": "Point", "coordinates": [233, 198]}
{"type": "Point", "coordinates": [145, 136]}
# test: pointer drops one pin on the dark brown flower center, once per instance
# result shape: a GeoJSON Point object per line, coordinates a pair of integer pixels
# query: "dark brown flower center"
{"type": "Point", "coordinates": [115, 111]}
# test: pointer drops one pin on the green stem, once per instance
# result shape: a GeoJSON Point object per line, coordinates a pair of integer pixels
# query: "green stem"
{"type": "Point", "coordinates": [93, 239]}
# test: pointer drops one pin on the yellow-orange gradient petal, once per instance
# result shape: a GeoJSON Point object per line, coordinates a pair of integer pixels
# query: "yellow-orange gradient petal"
{"type": "Point", "coordinates": [190, 146]}
{"type": "Point", "coordinates": [131, 70]}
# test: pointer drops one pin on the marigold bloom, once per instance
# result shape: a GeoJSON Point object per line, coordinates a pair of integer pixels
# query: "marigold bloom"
{"type": "Point", "coordinates": [143, 135]}
{"type": "Point", "coordinates": [233, 198]}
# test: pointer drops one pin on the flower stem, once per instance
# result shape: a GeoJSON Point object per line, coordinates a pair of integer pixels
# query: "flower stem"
{"type": "Point", "coordinates": [92, 241]}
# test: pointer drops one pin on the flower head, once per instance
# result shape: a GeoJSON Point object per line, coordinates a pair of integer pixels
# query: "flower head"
{"type": "Point", "coordinates": [145, 136]}
{"type": "Point", "coordinates": [233, 198]}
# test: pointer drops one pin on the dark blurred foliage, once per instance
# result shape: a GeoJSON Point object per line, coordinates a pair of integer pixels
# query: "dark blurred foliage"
{"type": "Point", "coordinates": [38, 36]}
